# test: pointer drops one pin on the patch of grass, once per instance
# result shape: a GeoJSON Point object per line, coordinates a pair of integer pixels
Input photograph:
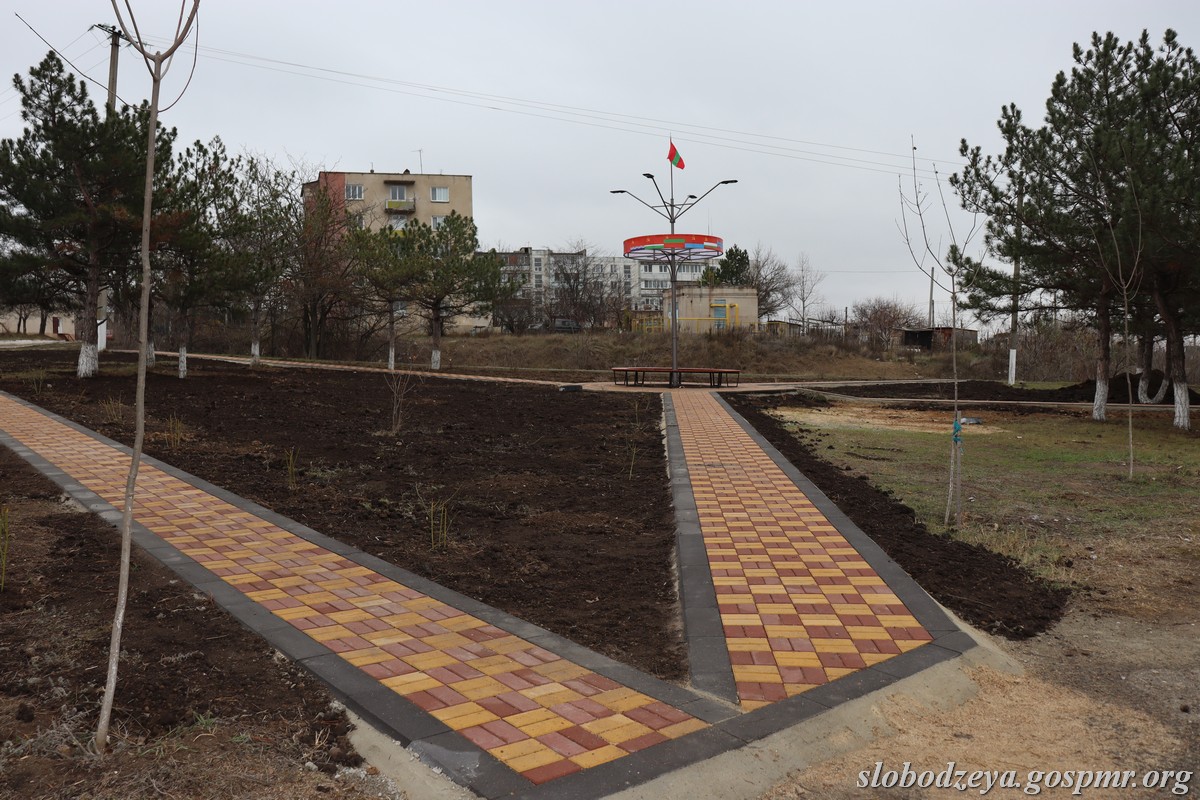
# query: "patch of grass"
{"type": "Point", "coordinates": [36, 378]}
{"type": "Point", "coordinates": [113, 410]}
{"type": "Point", "coordinates": [1050, 490]}
{"type": "Point", "coordinates": [439, 518]}
{"type": "Point", "coordinates": [176, 432]}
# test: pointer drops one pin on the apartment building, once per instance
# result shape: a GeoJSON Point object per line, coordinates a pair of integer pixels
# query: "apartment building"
{"type": "Point", "coordinates": [540, 272]}
{"type": "Point", "coordinates": [641, 285]}
{"type": "Point", "coordinates": [392, 200]}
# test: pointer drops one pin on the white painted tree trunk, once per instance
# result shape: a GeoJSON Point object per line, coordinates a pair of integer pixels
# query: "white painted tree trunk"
{"type": "Point", "coordinates": [89, 361]}
{"type": "Point", "coordinates": [254, 353]}
{"type": "Point", "coordinates": [1183, 404]}
{"type": "Point", "coordinates": [1161, 394]}
{"type": "Point", "coordinates": [1143, 390]}
{"type": "Point", "coordinates": [435, 360]}
{"type": "Point", "coordinates": [182, 361]}
{"type": "Point", "coordinates": [1100, 404]}
{"type": "Point", "coordinates": [150, 353]}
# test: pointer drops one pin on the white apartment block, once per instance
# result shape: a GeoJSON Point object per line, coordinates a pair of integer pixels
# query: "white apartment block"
{"type": "Point", "coordinates": [641, 284]}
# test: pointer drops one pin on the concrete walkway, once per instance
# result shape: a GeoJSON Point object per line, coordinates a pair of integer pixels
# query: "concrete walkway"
{"type": "Point", "coordinates": [789, 612]}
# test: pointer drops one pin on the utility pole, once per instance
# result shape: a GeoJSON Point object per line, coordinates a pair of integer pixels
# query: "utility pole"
{"type": "Point", "coordinates": [116, 37]}
{"type": "Point", "coordinates": [110, 108]}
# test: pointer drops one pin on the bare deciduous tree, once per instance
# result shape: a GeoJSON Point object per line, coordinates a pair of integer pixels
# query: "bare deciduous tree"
{"type": "Point", "coordinates": [158, 64]}
{"type": "Point", "coordinates": [879, 318]}
{"type": "Point", "coordinates": [807, 281]}
{"type": "Point", "coordinates": [774, 282]}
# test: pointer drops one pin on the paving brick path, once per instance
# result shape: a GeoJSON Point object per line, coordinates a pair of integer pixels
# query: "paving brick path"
{"type": "Point", "coordinates": [799, 607]}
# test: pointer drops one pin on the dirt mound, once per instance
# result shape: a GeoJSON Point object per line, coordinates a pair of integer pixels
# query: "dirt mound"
{"type": "Point", "coordinates": [1118, 389]}
{"type": "Point", "coordinates": [983, 391]}
{"type": "Point", "coordinates": [989, 590]}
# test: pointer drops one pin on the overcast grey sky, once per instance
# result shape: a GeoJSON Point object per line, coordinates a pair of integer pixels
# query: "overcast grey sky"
{"type": "Point", "coordinates": [549, 105]}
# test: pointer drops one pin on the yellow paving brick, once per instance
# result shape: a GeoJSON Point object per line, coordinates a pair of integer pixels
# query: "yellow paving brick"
{"type": "Point", "coordinates": [354, 615]}
{"type": "Point", "coordinates": [431, 659]}
{"type": "Point", "coordinates": [493, 665]}
{"type": "Point", "coordinates": [476, 688]}
{"type": "Point", "coordinates": [786, 631]}
{"type": "Point", "coordinates": [599, 726]}
{"type": "Point", "coordinates": [539, 758]}
{"type": "Point", "coordinates": [507, 644]}
{"type": "Point", "coordinates": [411, 683]}
{"type": "Point", "coordinates": [365, 657]}
{"type": "Point", "coordinates": [855, 608]}
{"type": "Point", "coordinates": [329, 632]}
{"type": "Point", "coordinates": [834, 646]}
{"type": "Point", "coordinates": [541, 728]}
{"type": "Point", "coordinates": [524, 747]}
{"type": "Point", "coordinates": [788, 659]}
{"type": "Point", "coordinates": [463, 622]}
{"type": "Point", "coordinates": [527, 719]}
{"type": "Point", "coordinates": [600, 756]}
{"type": "Point", "coordinates": [861, 632]}
{"type": "Point", "coordinates": [561, 670]}
{"type": "Point", "coordinates": [386, 637]}
{"type": "Point", "coordinates": [683, 728]}
{"type": "Point", "coordinates": [464, 721]}
{"type": "Point", "coordinates": [625, 733]}
{"type": "Point", "coordinates": [564, 695]}
{"type": "Point", "coordinates": [445, 641]}
{"type": "Point", "coordinates": [756, 674]}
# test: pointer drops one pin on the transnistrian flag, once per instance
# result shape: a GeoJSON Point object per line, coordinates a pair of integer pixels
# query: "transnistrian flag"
{"type": "Point", "coordinates": [674, 157]}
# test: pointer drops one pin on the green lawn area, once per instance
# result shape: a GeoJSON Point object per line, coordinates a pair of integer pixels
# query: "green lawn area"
{"type": "Point", "coordinates": [1051, 490]}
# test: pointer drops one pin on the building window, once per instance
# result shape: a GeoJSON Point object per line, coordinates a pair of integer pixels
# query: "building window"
{"type": "Point", "coordinates": [354, 191]}
{"type": "Point", "coordinates": [356, 221]}
{"type": "Point", "coordinates": [396, 226]}
{"type": "Point", "coordinates": [437, 222]}
{"type": "Point", "coordinates": [397, 193]}
{"type": "Point", "coordinates": [440, 194]}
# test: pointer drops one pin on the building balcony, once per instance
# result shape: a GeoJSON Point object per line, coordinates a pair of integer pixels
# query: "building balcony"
{"type": "Point", "coordinates": [400, 206]}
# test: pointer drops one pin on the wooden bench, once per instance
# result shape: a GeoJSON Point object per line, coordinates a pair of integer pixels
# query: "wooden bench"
{"type": "Point", "coordinates": [636, 376]}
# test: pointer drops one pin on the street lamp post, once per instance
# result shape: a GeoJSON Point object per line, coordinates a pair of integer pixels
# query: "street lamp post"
{"type": "Point", "coordinates": [672, 211]}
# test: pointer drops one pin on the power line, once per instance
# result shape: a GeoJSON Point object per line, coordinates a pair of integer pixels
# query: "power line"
{"type": "Point", "coordinates": [577, 115]}
{"type": "Point", "coordinates": [63, 56]}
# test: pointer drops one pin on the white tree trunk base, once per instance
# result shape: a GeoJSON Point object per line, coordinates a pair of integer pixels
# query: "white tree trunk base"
{"type": "Point", "coordinates": [89, 361]}
{"type": "Point", "coordinates": [1182, 406]}
{"type": "Point", "coordinates": [435, 360]}
{"type": "Point", "coordinates": [1143, 392]}
{"type": "Point", "coordinates": [182, 362]}
{"type": "Point", "coordinates": [150, 354]}
{"type": "Point", "coordinates": [392, 357]}
{"type": "Point", "coordinates": [254, 353]}
{"type": "Point", "coordinates": [1100, 404]}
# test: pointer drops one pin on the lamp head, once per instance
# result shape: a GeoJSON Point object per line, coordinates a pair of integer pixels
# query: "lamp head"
{"type": "Point", "coordinates": [617, 191]}
{"type": "Point", "coordinates": [722, 183]}
{"type": "Point", "coordinates": [647, 175]}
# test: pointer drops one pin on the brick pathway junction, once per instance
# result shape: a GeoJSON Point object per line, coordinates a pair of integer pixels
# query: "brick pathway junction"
{"type": "Point", "coordinates": [788, 610]}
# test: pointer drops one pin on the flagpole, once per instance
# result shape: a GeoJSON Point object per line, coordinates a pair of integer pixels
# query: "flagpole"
{"type": "Point", "coordinates": [674, 284]}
